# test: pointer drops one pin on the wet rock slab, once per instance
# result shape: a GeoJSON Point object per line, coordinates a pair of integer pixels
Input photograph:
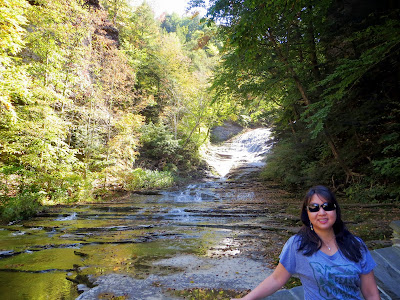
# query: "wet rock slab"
{"type": "Point", "coordinates": [387, 272]}
{"type": "Point", "coordinates": [197, 272]}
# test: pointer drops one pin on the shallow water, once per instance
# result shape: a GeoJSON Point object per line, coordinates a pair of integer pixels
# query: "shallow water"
{"type": "Point", "coordinates": [125, 237]}
{"type": "Point", "coordinates": [52, 255]}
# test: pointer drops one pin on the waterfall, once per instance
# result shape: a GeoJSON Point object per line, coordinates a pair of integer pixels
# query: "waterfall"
{"type": "Point", "coordinates": [246, 149]}
{"type": "Point", "coordinates": [73, 216]}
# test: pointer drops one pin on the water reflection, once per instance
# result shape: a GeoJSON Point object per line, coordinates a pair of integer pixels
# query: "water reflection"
{"type": "Point", "coordinates": [226, 246]}
{"type": "Point", "coordinates": [36, 286]}
{"type": "Point", "coordinates": [52, 255]}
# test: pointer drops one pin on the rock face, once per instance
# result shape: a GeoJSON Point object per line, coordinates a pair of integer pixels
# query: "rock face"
{"type": "Point", "coordinates": [225, 132]}
{"type": "Point", "coordinates": [94, 4]}
{"type": "Point", "coordinates": [108, 31]}
{"type": "Point", "coordinates": [103, 26]}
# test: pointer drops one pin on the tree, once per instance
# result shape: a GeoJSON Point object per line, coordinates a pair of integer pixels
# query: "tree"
{"type": "Point", "coordinates": [79, 80]}
{"type": "Point", "coordinates": [307, 58]}
{"type": "Point", "coordinates": [12, 19]}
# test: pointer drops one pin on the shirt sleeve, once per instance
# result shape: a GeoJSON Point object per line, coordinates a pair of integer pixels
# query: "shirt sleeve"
{"type": "Point", "coordinates": [288, 255]}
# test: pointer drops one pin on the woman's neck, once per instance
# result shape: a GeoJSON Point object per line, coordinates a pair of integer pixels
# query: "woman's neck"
{"type": "Point", "coordinates": [326, 235]}
{"type": "Point", "coordinates": [328, 241]}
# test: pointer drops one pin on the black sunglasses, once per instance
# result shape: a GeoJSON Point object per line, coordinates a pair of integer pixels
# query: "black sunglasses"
{"type": "Point", "coordinates": [314, 207]}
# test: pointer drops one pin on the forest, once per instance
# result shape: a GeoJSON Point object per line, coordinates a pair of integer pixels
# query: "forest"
{"type": "Point", "coordinates": [97, 96]}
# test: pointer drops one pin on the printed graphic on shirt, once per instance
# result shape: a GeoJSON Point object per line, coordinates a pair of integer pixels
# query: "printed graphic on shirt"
{"type": "Point", "coordinates": [336, 282]}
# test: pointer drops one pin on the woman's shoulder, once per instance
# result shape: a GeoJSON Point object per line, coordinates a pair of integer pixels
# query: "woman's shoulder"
{"type": "Point", "coordinates": [363, 245]}
{"type": "Point", "coordinates": [357, 240]}
{"type": "Point", "coordinates": [290, 249]}
{"type": "Point", "coordinates": [360, 240]}
{"type": "Point", "coordinates": [294, 240]}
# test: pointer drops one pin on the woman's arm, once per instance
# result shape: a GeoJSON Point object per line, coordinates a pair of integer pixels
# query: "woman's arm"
{"type": "Point", "coordinates": [369, 289]}
{"type": "Point", "coordinates": [270, 285]}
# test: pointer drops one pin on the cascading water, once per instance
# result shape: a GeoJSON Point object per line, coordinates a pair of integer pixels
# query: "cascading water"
{"type": "Point", "coordinates": [47, 256]}
{"type": "Point", "coordinates": [247, 149]}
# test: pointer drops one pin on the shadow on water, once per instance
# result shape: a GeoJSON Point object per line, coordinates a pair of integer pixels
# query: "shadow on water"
{"type": "Point", "coordinates": [146, 240]}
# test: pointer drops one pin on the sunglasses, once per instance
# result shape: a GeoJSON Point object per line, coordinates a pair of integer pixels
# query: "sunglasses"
{"type": "Point", "coordinates": [314, 207]}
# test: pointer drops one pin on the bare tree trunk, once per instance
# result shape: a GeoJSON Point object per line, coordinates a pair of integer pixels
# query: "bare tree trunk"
{"type": "Point", "coordinates": [335, 152]}
{"type": "Point", "coordinates": [114, 19]}
{"type": "Point", "coordinates": [313, 52]}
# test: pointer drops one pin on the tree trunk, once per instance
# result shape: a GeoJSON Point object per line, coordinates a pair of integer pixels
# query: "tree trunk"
{"type": "Point", "coordinates": [290, 69]}
{"type": "Point", "coordinates": [313, 50]}
{"type": "Point", "coordinates": [307, 101]}
{"type": "Point", "coordinates": [335, 152]}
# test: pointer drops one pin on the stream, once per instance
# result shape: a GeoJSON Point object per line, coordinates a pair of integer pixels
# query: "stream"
{"type": "Point", "coordinates": [206, 235]}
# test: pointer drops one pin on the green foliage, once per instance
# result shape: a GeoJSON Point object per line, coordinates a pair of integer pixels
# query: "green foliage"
{"type": "Point", "coordinates": [76, 86]}
{"type": "Point", "coordinates": [11, 29]}
{"type": "Point", "coordinates": [379, 41]}
{"type": "Point", "coordinates": [368, 190]}
{"type": "Point", "coordinates": [139, 179]}
{"type": "Point", "coordinates": [56, 44]}
{"type": "Point", "coordinates": [298, 163]}
{"type": "Point", "coordinates": [376, 43]}
{"type": "Point", "coordinates": [157, 142]}
{"type": "Point", "coordinates": [118, 10]}
{"type": "Point", "coordinates": [25, 204]}
{"type": "Point", "coordinates": [123, 146]}
{"type": "Point", "coordinates": [12, 78]}
{"type": "Point", "coordinates": [160, 150]}
{"type": "Point", "coordinates": [327, 80]}
{"type": "Point", "coordinates": [141, 38]}
{"type": "Point", "coordinates": [389, 166]}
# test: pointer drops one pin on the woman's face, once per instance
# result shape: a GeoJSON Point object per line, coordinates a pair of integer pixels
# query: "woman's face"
{"type": "Point", "coordinates": [321, 220]}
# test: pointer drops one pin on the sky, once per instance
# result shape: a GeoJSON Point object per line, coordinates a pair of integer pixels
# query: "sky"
{"type": "Point", "coordinates": [168, 6]}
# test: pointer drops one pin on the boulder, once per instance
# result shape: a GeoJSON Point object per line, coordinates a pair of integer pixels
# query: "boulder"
{"type": "Point", "coordinates": [224, 132]}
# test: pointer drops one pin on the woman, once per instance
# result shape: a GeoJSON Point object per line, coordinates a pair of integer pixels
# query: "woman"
{"type": "Point", "coordinates": [330, 262]}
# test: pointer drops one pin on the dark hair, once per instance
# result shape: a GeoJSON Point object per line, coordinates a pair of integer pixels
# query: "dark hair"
{"type": "Point", "coordinates": [310, 242]}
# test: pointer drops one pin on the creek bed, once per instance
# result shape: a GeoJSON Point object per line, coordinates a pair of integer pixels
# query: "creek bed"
{"type": "Point", "coordinates": [59, 254]}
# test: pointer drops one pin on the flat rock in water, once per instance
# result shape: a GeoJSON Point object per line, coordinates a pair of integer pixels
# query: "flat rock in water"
{"type": "Point", "coordinates": [199, 272]}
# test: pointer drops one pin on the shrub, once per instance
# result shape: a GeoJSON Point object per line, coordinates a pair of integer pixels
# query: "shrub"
{"type": "Point", "coordinates": [157, 142]}
{"type": "Point", "coordinates": [367, 191]}
{"type": "Point", "coordinates": [299, 164]}
{"type": "Point", "coordinates": [160, 150]}
{"type": "Point", "coordinates": [147, 179]}
{"type": "Point", "coordinates": [24, 205]}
